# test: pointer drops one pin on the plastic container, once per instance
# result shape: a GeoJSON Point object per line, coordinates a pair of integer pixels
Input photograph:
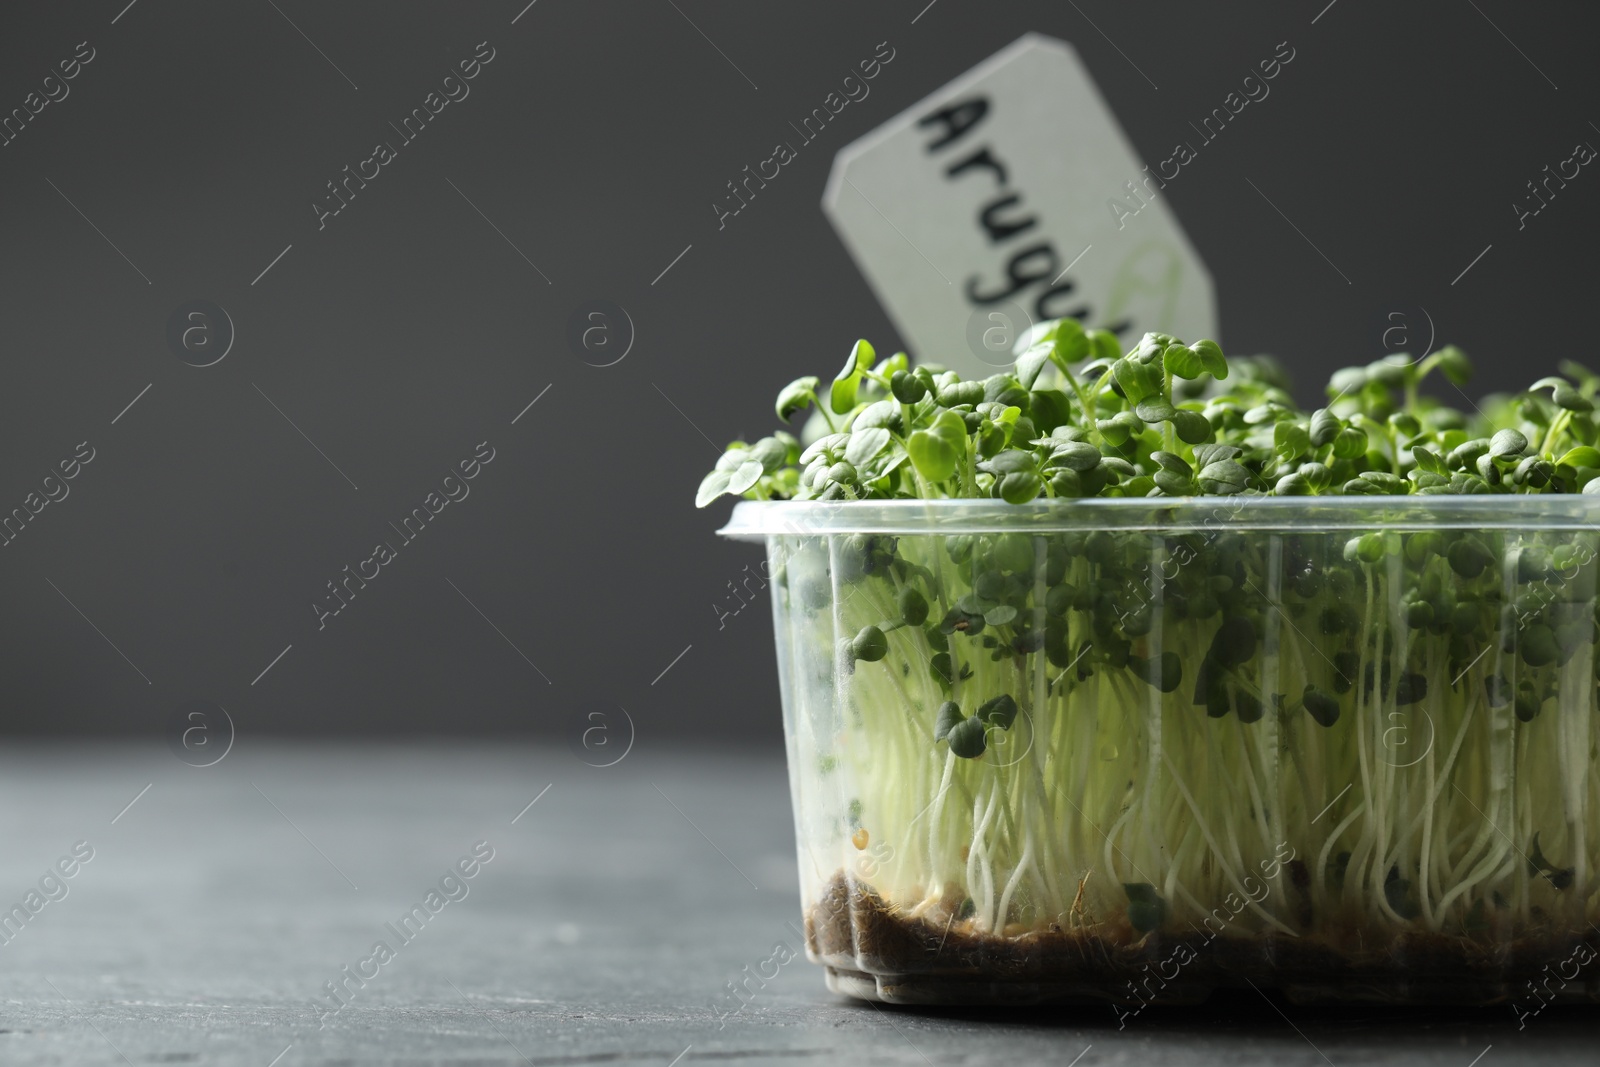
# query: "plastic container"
{"type": "Point", "coordinates": [1344, 747]}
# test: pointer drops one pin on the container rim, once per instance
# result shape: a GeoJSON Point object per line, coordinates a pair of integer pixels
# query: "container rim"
{"type": "Point", "coordinates": [755, 520]}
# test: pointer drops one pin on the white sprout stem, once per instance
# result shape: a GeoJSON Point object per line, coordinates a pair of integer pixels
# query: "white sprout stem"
{"type": "Point", "coordinates": [1104, 781]}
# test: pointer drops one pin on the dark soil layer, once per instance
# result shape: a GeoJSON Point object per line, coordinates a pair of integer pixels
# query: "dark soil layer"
{"type": "Point", "coordinates": [874, 953]}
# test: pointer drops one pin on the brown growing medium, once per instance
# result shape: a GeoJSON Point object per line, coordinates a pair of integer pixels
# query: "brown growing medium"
{"type": "Point", "coordinates": [865, 942]}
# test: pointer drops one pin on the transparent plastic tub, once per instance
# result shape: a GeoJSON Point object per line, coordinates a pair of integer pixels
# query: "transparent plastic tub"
{"type": "Point", "coordinates": [1343, 747]}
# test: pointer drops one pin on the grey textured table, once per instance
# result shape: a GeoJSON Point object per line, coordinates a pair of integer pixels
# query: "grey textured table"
{"type": "Point", "coordinates": [615, 910]}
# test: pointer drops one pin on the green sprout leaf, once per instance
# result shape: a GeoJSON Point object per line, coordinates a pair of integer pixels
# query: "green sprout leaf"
{"type": "Point", "coordinates": [905, 431]}
{"type": "Point", "coordinates": [1350, 443]}
{"type": "Point", "coordinates": [1155, 409]}
{"type": "Point", "coordinates": [999, 615]}
{"type": "Point", "coordinates": [1581, 456]}
{"type": "Point", "coordinates": [1072, 344]}
{"type": "Point", "coordinates": [1212, 359]}
{"type": "Point", "coordinates": [907, 388]}
{"type": "Point", "coordinates": [1454, 365]}
{"type": "Point", "coordinates": [796, 396]}
{"type": "Point", "coordinates": [1181, 361]}
{"type": "Point", "coordinates": [1430, 461]}
{"type": "Point", "coordinates": [1164, 673]}
{"type": "Point", "coordinates": [870, 644]}
{"type": "Point", "coordinates": [936, 450]}
{"type": "Point", "coordinates": [1563, 394]}
{"type": "Point", "coordinates": [1019, 487]}
{"type": "Point", "coordinates": [1290, 440]}
{"type": "Point", "coordinates": [771, 453]}
{"type": "Point", "coordinates": [1224, 478]}
{"type": "Point", "coordinates": [745, 476]}
{"type": "Point", "coordinates": [1134, 380]}
{"type": "Point", "coordinates": [1146, 908]}
{"type": "Point", "coordinates": [1322, 707]}
{"type": "Point", "coordinates": [1192, 427]}
{"type": "Point", "coordinates": [999, 711]}
{"type": "Point", "coordinates": [843, 395]}
{"type": "Point", "coordinates": [1324, 427]}
{"type": "Point", "coordinates": [967, 738]}
{"type": "Point", "coordinates": [712, 486]}
{"type": "Point", "coordinates": [1507, 443]}
{"type": "Point", "coordinates": [865, 445]}
{"type": "Point", "coordinates": [1032, 362]}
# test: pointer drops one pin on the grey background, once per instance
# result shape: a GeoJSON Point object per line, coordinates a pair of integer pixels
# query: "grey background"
{"type": "Point", "coordinates": [409, 329]}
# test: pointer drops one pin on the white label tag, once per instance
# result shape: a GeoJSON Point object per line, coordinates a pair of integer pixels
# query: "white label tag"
{"type": "Point", "coordinates": [1009, 197]}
